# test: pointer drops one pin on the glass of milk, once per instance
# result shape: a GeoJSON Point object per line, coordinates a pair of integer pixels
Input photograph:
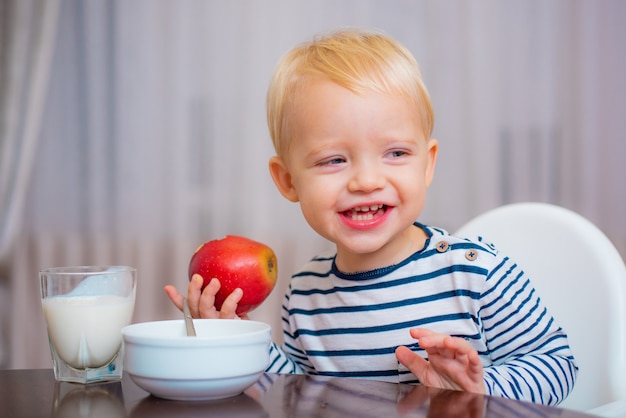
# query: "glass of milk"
{"type": "Point", "coordinates": [85, 310]}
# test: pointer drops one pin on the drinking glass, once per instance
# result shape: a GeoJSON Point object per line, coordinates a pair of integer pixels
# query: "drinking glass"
{"type": "Point", "coordinates": [85, 308]}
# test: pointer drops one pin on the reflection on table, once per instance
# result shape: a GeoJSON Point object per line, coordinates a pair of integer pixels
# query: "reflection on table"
{"type": "Point", "coordinates": [30, 393]}
{"type": "Point", "coordinates": [101, 400]}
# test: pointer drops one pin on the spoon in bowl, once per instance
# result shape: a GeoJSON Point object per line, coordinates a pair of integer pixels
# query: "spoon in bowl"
{"type": "Point", "coordinates": [191, 331]}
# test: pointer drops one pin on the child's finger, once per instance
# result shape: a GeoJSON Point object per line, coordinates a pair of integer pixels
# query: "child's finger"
{"type": "Point", "coordinates": [206, 302]}
{"type": "Point", "coordinates": [415, 363]}
{"type": "Point", "coordinates": [476, 366]}
{"type": "Point", "coordinates": [229, 307]}
{"type": "Point", "coordinates": [174, 296]}
{"type": "Point", "coordinates": [420, 332]}
{"type": "Point", "coordinates": [193, 294]}
{"type": "Point", "coordinates": [428, 339]}
{"type": "Point", "coordinates": [461, 347]}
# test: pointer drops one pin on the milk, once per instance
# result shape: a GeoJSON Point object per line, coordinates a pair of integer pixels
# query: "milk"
{"type": "Point", "coordinates": [86, 330]}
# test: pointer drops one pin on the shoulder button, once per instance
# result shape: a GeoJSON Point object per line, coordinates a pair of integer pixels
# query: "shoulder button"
{"type": "Point", "coordinates": [442, 246]}
{"type": "Point", "coordinates": [471, 255]}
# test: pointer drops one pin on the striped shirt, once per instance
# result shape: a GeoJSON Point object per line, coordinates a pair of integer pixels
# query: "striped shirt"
{"type": "Point", "coordinates": [349, 325]}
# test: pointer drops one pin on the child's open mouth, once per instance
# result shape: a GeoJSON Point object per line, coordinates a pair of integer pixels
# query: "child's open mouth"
{"type": "Point", "coordinates": [365, 213]}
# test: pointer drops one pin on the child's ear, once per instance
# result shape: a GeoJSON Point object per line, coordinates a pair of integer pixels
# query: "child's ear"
{"type": "Point", "coordinates": [282, 178]}
{"type": "Point", "coordinates": [431, 156]}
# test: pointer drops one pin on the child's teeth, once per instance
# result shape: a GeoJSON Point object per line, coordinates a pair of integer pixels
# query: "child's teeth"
{"type": "Point", "coordinates": [363, 213]}
{"type": "Point", "coordinates": [365, 217]}
{"type": "Point", "coordinates": [367, 208]}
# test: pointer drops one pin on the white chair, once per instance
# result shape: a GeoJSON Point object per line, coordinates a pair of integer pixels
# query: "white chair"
{"type": "Point", "coordinates": [582, 279]}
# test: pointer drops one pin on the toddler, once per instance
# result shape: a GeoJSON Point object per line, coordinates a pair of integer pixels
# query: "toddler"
{"type": "Point", "coordinates": [396, 300]}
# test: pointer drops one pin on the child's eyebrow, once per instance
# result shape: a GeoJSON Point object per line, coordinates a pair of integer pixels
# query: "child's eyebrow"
{"type": "Point", "coordinates": [318, 153]}
{"type": "Point", "coordinates": [322, 146]}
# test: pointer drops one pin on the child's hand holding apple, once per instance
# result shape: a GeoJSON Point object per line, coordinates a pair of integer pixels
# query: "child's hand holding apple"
{"type": "Point", "coordinates": [228, 277]}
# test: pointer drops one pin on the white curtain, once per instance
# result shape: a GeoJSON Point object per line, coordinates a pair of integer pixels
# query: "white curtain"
{"type": "Point", "coordinates": [27, 34]}
{"type": "Point", "coordinates": [153, 138]}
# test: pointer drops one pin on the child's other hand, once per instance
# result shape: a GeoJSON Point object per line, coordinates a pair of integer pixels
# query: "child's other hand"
{"type": "Point", "coordinates": [452, 362]}
{"type": "Point", "coordinates": [202, 302]}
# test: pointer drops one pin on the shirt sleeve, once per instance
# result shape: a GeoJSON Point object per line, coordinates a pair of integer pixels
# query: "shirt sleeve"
{"type": "Point", "coordinates": [288, 359]}
{"type": "Point", "coordinates": [281, 363]}
{"type": "Point", "coordinates": [530, 355]}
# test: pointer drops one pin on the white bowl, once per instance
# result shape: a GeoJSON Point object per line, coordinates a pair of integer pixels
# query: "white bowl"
{"type": "Point", "coordinates": [226, 357]}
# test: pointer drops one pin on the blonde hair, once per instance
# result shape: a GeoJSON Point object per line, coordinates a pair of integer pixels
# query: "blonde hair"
{"type": "Point", "coordinates": [354, 59]}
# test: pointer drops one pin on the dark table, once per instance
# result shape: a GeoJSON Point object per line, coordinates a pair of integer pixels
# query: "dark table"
{"type": "Point", "coordinates": [34, 393]}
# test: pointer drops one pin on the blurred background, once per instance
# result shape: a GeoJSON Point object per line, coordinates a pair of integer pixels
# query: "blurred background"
{"type": "Point", "coordinates": [133, 131]}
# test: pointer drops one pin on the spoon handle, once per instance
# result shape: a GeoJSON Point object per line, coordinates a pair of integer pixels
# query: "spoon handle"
{"type": "Point", "coordinates": [191, 331]}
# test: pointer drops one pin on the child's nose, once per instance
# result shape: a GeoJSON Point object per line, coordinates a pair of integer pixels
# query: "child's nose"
{"type": "Point", "coordinates": [366, 177]}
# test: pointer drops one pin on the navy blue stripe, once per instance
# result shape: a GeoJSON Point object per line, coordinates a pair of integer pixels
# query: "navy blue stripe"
{"type": "Point", "coordinates": [311, 273]}
{"type": "Point", "coordinates": [264, 385]}
{"type": "Point", "coordinates": [272, 350]}
{"type": "Point", "coordinates": [468, 245]}
{"type": "Point", "coordinates": [517, 390]}
{"type": "Point", "coordinates": [513, 392]}
{"type": "Point", "coordinates": [286, 367]}
{"type": "Point", "coordinates": [509, 303]}
{"type": "Point", "coordinates": [540, 371]}
{"type": "Point", "coordinates": [388, 305]}
{"type": "Point", "coordinates": [521, 379]}
{"type": "Point", "coordinates": [496, 287]}
{"type": "Point", "coordinates": [543, 360]}
{"type": "Point", "coordinates": [306, 368]}
{"type": "Point", "coordinates": [369, 373]}
{"type": "Point", "coordinates": [434, 228]}
{"type": "Point", "coordinates": [552, 339]}
{"type": "Point", "coordinates": [520, 335]}
{"type": "Point", "coordinates": [506, 316]}
{"type": "Point", "coordinates": [522, 330]}
{"type": "Point", "coordinates": [387, 327]}
{"type": "Point", "coordinates": [318, 258]}
{"type": "Point", "coordinates": [559, 365]}
{"type": "Point", "coordinates": [360, 352]}
{"type": "Point", "coordinates": [496, 269]}
{"type": "Point", "coordinates": [295, 352]}
{"type": "Point", "coordinates": [394, 283]}
{"type": "Point", "coordinates": [496, 379]}
{"type": "Point", "coordinates": [288, 335]}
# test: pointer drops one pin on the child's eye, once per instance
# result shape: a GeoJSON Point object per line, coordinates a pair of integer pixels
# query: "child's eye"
{"type": "Point", "coordinates": [333, 161]}
{"type": "Point", "coordinates": [397, 153]}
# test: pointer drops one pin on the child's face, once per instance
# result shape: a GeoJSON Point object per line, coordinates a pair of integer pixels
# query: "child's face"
{"type": "Point", "coordinates": [360, 166]}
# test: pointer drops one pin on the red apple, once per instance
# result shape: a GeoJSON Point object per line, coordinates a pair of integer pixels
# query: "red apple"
{"type": "Point", "coordinates": [236, 262]}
